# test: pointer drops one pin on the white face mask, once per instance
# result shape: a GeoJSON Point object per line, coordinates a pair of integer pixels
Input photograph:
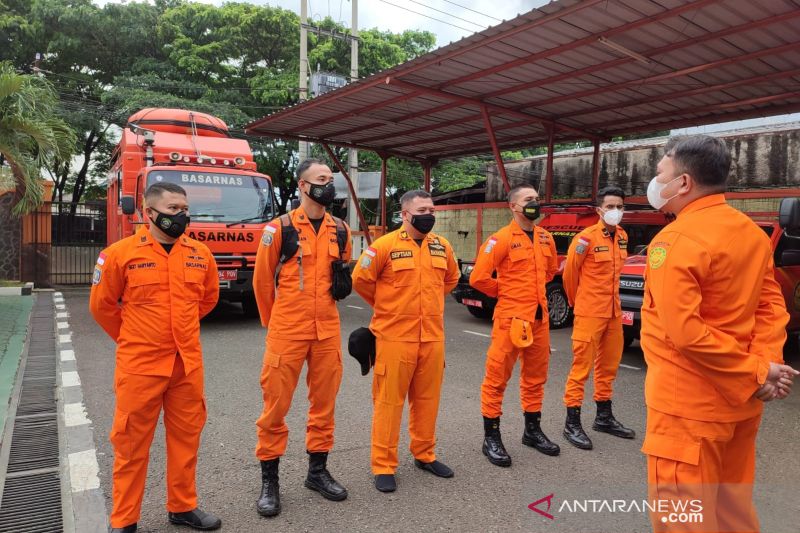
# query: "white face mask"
{"type": "Point", "coordinates": [654, 193]}
{"type": "Point", "coordinates": [612, 217]}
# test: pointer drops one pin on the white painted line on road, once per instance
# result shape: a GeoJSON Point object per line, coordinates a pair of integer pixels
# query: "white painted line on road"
{"type": "Point", "coordinates": [64, 339]}
{"type": "Point", "coordinates": [75, 415]}
{"type": "Point", "coordinates": [62, 315]}
{"type": "Point", "coordinates": [70, 379]}
{"type": "Point", "coordinates": [553, 350]}
{"type": "Point", "coordinates": [60, 307]}
{"type": "Point", "coordinates": [83, 471]}
{"type": "Point", "coordinates": [476, 333]}
{"type": "Point", "coordinates": [57, 294]}
{"type": "Point", "coordinates": [355, 307]}
{"type": "Point", "coordinates": [67, 355]}
{"type": "Point", "coordinates": [629, 366]}
{"type": "Point", "coordinates": [63, 325]}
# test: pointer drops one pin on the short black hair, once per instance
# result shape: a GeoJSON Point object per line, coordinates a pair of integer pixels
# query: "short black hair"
{"type": "Point", "coordinates": [157, 190]}
{"type": "Point", "coordinates": [411, 195]}
{"type": "Point", "coordinates": [306, 164]}
{"type": "Point", "coordinates": [610, 190]}
{"type": "Point", "coordinates": [706, 159]}
{"type": "Point", "coordinates": [512, 193]}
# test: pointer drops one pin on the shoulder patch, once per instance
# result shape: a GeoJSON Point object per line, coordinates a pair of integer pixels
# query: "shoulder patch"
{"type": "Point", "coordinates": [657, 256]}
{"type": "Point", "coordinates": [101, 259]}
{"type": "Point", "coordinates": [96, 275]}
{"type": "Point", "coordinates": [372, 252]}
{"type": "Point", "coordinates": [490, 245]}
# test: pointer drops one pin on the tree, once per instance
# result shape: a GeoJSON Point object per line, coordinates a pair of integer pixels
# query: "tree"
{"type": "Point", "coordinates": [30, 135]}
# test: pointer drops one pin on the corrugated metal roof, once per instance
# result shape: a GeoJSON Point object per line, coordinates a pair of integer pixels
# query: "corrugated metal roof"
{"type": "Point", "coordinates": [590, 69]}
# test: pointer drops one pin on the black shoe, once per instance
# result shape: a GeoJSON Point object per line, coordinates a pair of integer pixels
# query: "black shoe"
{"type": "Point", "coordinates": [269, 503]}
{"type": "Point", "coordinates": [493, 447]}
{"type": "Point", "coordinates": [195, 519]}
{"type": "Point", "coordinates": [573, 431]}
{"type": "Point", "coordinates": [320, 480]}
{"type": "Point", "coordinates": [606, 423]}
{"type": "Point", "coordinates": [130, 528]}
{"type": "Point", "coordinates": [437, 468]}
{"type": "Point", "coordinates": [385, 483]}
{"type": "Point", "coordinates": [535, 437]}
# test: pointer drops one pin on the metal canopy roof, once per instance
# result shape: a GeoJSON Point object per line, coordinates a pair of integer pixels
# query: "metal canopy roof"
{"type": "Point", "coordinates": [587, 69]}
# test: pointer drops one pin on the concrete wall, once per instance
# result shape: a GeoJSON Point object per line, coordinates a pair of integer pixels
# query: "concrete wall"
{"type": "Point", "coordinates": [459, 226]}
{"type": "Point", "coordinates": [760, 159]}
{"type": "Point", "coordinates": [10, 235]}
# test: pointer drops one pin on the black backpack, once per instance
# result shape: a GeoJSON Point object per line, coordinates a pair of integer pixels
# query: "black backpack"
{"type": "Point", "coordinates": [341, 282]}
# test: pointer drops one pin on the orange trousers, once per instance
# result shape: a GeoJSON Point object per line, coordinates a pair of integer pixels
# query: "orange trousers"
{"type": "Point", "coordinates": [139, 403]}
{"type": "Point", "coordinates": [706, 467]}
{"type": "Point", "coordinates": [596, 342]}
{"type": "Point", "coordinates": [283, 362]}
{"type": "Point", "coordinates": [500, 361]}
{"type": "Point", "coordinates": [415, 370]}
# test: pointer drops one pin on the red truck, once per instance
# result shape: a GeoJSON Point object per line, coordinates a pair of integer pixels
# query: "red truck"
{"type": "Point", "coordinates": [784, 235]}
{"type": "Point", "coordinates": [230, 202]}
{"type": "Point", "coordinates": [563, 222]}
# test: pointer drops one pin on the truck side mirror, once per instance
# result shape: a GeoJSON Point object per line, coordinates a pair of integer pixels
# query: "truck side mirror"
{"type": "Point", "coordinates": [790, 258]}
{"type": "Point", "coordinates": [789, 214]}
{"type": "Point", "coordinates": [128, 205]}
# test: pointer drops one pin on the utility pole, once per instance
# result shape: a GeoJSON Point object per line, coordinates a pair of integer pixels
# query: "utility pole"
{"type": "Point", "coordinates": [304, 151]}
{"type": "Point", "coordinates": [352, 156]}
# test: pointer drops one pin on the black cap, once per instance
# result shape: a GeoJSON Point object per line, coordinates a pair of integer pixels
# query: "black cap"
{"type": "Point", "coordinates": [361, 345]}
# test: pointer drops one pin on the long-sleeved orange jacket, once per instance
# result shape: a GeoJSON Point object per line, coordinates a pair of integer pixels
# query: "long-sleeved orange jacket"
{"type": "Point", "coordinates": [523, 267]}
{"type": "Point", "coordinates": [405, 283]}
{"type": "Point", "coordinates": [713, 316]}
{"type": "Point", "coordinates": [591, 273]}
{"type": "Point", "coordinates": [151, 303]}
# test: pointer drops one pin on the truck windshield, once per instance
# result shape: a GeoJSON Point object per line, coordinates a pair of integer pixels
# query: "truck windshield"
{"type": "Point", "coordinates": [221, 197]}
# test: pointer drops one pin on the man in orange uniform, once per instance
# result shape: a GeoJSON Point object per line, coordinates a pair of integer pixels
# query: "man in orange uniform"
{"type": "Point", "coordinates": [713, 322]}
{"type": "Point", "coordinates": [591, 281]}
{"type": "Point", "coordinates": [405, 276]}
{"type": "Point", "coordinates": [296, 304]}
{"type": "Point", "coordinates": [149, 292]}
{"type": "Point", "coordinates": [524, 257]}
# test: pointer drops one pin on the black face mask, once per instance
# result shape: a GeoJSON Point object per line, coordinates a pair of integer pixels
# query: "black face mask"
{"type": "Point", "coordinates": [172, 225]}
{"type": "Point", "coordinates": [322, 194]}
{"type": "Point", "coordinates": [531, 210]}
{"type": "Point", "coordinates": [423, 223]}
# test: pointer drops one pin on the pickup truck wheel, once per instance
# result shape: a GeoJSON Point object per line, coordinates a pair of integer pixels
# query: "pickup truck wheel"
{"type": "Point", "coordinates": [479, 312]}
{"type": "Point", "coordinates": [558, 306]}
{"type": "Point", "coordinates": [249, 306]}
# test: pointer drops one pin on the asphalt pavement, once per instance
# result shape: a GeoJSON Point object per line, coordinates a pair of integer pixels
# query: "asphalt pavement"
{"type": "Point", "coordinates": [480, 498]}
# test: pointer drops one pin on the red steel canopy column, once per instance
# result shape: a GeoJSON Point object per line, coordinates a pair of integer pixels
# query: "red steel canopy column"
{"type": "Point", "coordinates": [382, 194]}
{"type": "Point", "coordinates": [487, 123]}
{"type": "Point", "coordinates": [341, 168]}
{"type": "Point", "coordinates": [548, 178]}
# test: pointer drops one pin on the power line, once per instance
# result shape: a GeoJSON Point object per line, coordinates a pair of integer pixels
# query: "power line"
{"type": "Point", "coordinates": [446, 13]}
{"type": "Point", "coordinates": [477, 12]}
{"type": "Point", "coordinates": [428, 16]}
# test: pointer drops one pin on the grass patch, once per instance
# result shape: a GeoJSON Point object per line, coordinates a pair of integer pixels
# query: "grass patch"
{"type": "Point", "coordinates": [10, 283]}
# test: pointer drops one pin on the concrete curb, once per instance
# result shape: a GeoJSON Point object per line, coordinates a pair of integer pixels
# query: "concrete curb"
{"type": "Point", "coordinates": [84, 505]}
{"type": "Point", "coordinates": [26, 290]}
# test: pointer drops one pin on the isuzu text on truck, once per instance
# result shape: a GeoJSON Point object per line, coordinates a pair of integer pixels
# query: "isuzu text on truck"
{"type": "Point", "coordinates": [229, 201]}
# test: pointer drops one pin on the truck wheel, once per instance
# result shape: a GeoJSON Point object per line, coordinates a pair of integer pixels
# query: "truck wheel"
{"type": "Point", "coordinates": [249, 306]}
{"type": "Point", "coordinates": [558, 306]}
{"type": "Point", "coordinates": [479, 312]}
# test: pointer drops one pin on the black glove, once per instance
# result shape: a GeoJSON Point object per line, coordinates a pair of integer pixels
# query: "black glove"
{"type": "Point", "coordinates": [341, 282]}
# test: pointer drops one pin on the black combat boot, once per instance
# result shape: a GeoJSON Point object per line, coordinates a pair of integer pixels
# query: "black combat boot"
{"type": "Point", "coordinates": [130, 528]}
{"type": "Point", "coordinates": [269, 503]}
{"type": "Point", "coordinates": [535, 437]}
{"type": "Point", "coordinates": [320, 480]}
{"type": "Point", "coordinates": [195, 519]}
{"type": "Point", "coordinates": [606, 423]}
{"type": "Point", "coordinates": [493, 447]}
{"type": "Point", "coordinates": [573, 431]}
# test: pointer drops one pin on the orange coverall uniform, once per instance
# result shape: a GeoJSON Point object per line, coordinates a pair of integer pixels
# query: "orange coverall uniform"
{"type": "Point", "coordinates": [713, 319]}
{"type": "Point", "coordinates": [591, 281]}
{"type": "Point", "coordinates": [151, 304]}
{"type": "Point", "coordinates": [524, 268]}
{"type": "Point", "coordinates": [405, 283]}
{"type": "Point", "coordinates": [303, 326]}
